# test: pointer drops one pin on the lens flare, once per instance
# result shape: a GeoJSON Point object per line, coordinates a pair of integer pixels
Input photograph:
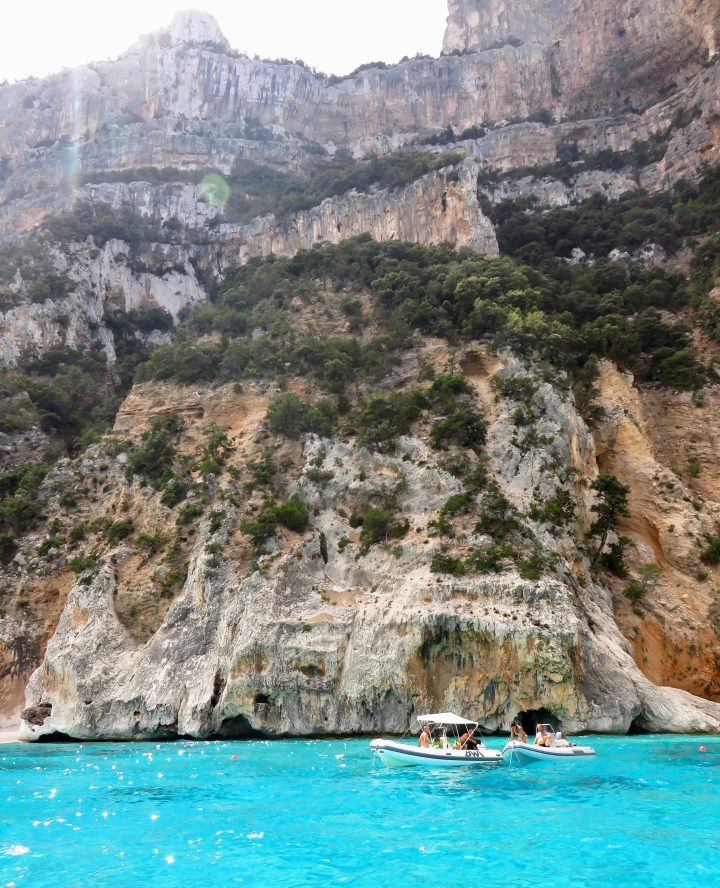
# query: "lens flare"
{"type": "Point", "coordinates": [214, 190]}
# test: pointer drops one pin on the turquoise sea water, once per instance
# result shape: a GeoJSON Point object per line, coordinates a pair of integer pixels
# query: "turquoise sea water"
{"type": "Point", "coordinates": [645, 812]}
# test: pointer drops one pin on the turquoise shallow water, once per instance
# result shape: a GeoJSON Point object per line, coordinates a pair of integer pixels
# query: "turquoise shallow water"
{"type": "Point", "coordinates": [644, 812]}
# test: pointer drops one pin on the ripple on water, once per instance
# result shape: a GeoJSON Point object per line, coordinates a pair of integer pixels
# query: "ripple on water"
{"type": "Point", "coordinates": [308, 813]}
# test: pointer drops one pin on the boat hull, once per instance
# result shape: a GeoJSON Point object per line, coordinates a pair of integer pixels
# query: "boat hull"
{"type": "Point", "coordinates": [528, 754]}
{"type": "Point", "coordinates": [401, 755]}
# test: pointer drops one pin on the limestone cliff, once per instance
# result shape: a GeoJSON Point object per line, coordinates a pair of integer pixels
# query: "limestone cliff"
{"type": "Point", "coordinates": [199, 635]}
{"type": "Point", "coordinates": [595, 53]}
{"type": "Point", "coordinates": [298, 645]}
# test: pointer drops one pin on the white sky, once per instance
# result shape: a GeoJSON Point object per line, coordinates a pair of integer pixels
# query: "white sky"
{"type": "Point", "coordinates": [40, 37]}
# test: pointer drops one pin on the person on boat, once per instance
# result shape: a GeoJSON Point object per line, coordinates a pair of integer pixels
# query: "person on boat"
{"type": "Point", "coordinates": [516, 730]}
{"type": "Point", "coordinates": [441, 740]}
{"type": "Point", "coordinates": [424, 738]}
{"type": "Point", "coordinates": [542, 738]}
{"type": "Point", "coordinates": [466, 741]}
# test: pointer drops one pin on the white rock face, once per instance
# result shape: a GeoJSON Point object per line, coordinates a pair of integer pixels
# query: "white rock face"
{"type": "Point", "coordinates": [104, 279]}
{"type": "Point", "coordinates": [194, 27]}
{"type": "Point", "coordinates": [592, 47]}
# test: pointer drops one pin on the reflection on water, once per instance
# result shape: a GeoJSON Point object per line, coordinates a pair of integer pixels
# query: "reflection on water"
{"type": "Point", "coordinates": [303, 813]}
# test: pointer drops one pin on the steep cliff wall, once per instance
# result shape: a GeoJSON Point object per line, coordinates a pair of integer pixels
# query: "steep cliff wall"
{"type": "Point", "coordinates": [296, 644]}
{"type": "Point", "coordinates": [440, 207]}
{"type": "Point", "coordinates": [132, 647]}
{"type": "Point", "coordinates": [596, 54]}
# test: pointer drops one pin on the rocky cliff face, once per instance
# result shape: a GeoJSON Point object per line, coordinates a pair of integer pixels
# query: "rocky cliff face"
{"type": "Point", "coordinates": [181, 99]}
{"type": "Point", "coordinates": [297, 645]}
{"type": "Point", "coordinates": [595, 54]}
{"type": "Point", "coordinates": [292, 642]}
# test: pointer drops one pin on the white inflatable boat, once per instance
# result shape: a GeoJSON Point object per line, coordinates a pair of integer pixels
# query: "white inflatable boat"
{"type": "Point", "coordinates": [559, 749]}
{"type": "Point", "coordinates": [451, 744]}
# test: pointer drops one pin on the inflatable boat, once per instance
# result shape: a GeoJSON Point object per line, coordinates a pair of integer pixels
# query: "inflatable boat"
{"type": "Point", "coordinates": [557, 749]}
{"type": "Point", "coordinates": [451, 743]}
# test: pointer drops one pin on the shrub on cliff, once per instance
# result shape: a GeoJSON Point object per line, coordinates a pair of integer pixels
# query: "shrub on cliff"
{"type": "Point", "coordinates": [557, 511]}
{"type": "Point", "coordinates": [463, 427]}
{"type": "Point", "coordinates": [498, 517]}
{"type": "Point", "coordinates": [288, 415]}
{"type": "Point", "coordinates": [711, 553]}
{"type": "Point", "coordinates": [382, 420]}
{"type": "Point", "coordinates": [294, 514]}
{"type": "Point", "coordinates": [153, 459]}
{"type": "Point", "coordinates": [610, 506]}
{"type": "Point", "coordinates": [119, 530]}
{"type": "Point", "coordinates": [380, 525]}
{"type": "Point", "coordinates": [447, 564]}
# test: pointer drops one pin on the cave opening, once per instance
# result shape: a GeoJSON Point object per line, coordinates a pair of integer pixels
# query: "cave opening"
{"type": "Point", "coordinates": [56, 737]}
{"type": "Point", "coordinates": [531, 718]}
{"type": "Point", "coordinates": [638, 725]}
{"type": "Point", "coordinates": [238, 728]}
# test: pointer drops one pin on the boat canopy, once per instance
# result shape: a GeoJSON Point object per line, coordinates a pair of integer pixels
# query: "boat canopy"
{"type": "Point", "coordinates": [445, 718]}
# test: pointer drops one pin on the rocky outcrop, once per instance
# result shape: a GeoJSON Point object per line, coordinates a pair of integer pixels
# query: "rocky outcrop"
{"type": "Point", "coordinates": [296, 645]}
{"type": "Point", "coordinates": [103, 280]}
{"type": "Point", "coordinates": [182, 99]}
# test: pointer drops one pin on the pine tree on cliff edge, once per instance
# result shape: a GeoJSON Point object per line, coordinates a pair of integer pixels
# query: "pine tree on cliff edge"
{"type": "Point", "coordinates": [612, 504]}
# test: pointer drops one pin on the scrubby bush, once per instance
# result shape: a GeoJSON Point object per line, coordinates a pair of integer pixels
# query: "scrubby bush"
{"type": "Point", "coordinates": [380, 525]}
{"type": "Point", "coordinates": [294, 514]}
{"type": "Point", "coordinates": [381, 421]}
{"type": "Point", "coordinates": [188, 513]}
{"type": "Point", "coordinates": [498, 517]}
{"type": "Point", "coordinates": [150, 543]}
{"type": "Point", "coordinates": [711, 553]}
{"type": "Point", "coordinates": [289, 416]}
{"type": "Point", "coordinates": [262, 527]}
{"type": "Point", "coordinates": [448, 564]}
{"type": "Point", "coordinates": [457, 503]}
{"type": "Point", "coordinates": [81, 563]}
{"type": "Point", "coordinates": [462, 427]}
{"type": "Point", "coordinates": [262, 471]}
{"type": "Point", "coordinates": [489, 559]}
{"type": "Point", "coordinates": [119, 530]}
{"type": "Point", "coordinates": [174, 492]}
{"type": "Point", "coordinates": [153, 459]}
{"type": "Point", "coordinates": [215, 520]}
{"type": "Point", "coordinates": [558, 511]}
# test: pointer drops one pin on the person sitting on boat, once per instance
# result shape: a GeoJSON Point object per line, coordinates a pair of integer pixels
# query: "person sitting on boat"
{"type": "Point", "coordinates": [516, 730]}
{"type": "Point", "coordinates": [466, 741]}
{"type": "Point", "coordinates": [542, 738]}
{"type": "Point", "coordinates": [424, 738]}
{"type": "Point", "coordinates": [441, 740]}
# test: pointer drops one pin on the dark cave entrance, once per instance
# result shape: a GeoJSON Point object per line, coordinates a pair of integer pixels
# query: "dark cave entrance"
{"type": "Point", "coordinates": [531, 718]}
{"type": "Point", "coordinates": [238, 728]}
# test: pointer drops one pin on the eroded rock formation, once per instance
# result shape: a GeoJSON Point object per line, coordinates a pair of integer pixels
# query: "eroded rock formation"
{"type": "Point", "coordinates": [300, 646]}
{"type": "Point", "coordinates": [291, 644]}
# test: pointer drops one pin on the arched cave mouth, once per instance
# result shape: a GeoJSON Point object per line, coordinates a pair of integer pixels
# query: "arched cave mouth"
{"type": "Point", "coordinates": [238, 728]}
{"type": "Point", "coordinates": [531, 718]}
{"type": "Point", "coordinates": [638, 725]}
{"type": "Point", "coordinates": [57, 737]}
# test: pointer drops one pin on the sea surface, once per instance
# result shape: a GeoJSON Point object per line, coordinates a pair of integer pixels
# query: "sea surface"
{"type": "Point", "coordinates": [645, 812]}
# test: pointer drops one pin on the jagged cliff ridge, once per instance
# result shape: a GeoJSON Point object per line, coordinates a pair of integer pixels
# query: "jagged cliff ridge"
{"type": "Point", "coordinates": [185, 627]}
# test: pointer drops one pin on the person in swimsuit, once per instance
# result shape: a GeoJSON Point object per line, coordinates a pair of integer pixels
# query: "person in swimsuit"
{"type": "Point", "coordinates": [516, 730]}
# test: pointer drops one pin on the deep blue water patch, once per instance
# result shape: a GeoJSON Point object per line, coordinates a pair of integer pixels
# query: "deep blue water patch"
{"type": "Point", "coordinates": [291, 814]}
